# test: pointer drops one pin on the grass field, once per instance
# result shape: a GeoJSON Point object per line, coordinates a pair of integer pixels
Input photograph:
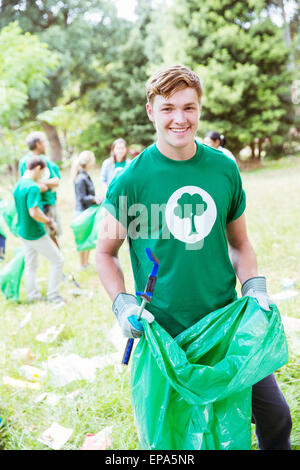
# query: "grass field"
{"type": "Point", "coordinates": [274, 227]}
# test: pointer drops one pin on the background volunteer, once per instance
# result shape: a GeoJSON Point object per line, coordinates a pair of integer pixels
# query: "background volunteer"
{"type": "Point", "coordinates": [49, 183]}
{"type": "Point", "coordinates": [117, 161]}
{"type": "Point", "coordinates": [31, 229]}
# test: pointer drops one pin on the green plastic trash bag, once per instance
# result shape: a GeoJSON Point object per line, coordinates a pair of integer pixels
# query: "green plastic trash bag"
{"type": "Point", "coordinates": [11, 217]}
{"type": "Point", "coordinates": [193, 392]}
{"type": "Point", "coordinates": [3, 205]}
{"type": "Point", "coordinates": [2, 230]}
{"type": "Point", "coordinates": [85, 228]}
{"type": "Point", "coordinates": [11, 275]}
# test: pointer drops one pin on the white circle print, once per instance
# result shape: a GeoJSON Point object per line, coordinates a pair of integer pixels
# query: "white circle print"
{"type": "Point", "coordinates": [190, 214]}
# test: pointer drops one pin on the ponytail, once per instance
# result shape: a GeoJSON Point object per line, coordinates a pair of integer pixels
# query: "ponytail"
{"type": "Point", "coordinates": [222, 140]}
{"type": "Point", "coordinates": [75, 169]}
{"type": "Point", "coordinates": [214, 135]}
{"type": "Point", "coordinates": [82, 162]}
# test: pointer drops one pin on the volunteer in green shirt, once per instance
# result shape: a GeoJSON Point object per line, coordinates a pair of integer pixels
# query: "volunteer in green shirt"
{"type": "Point", "coordinates": [31, 229]}
{"type": "Point", "coordinates": [49, 183]}
{"type": "Point", "coordinates": [186, 204]}
{"type": "Point", "coordinates": [115, 164]}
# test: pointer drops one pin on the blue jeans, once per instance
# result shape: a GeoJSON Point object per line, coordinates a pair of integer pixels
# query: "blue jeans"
{"type": "Point", "coordinates": [2, 246]}
{"type": "Point", "coordinates": [271, 415]}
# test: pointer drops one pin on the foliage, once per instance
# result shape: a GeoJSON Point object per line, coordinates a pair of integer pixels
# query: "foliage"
{"type": "Point", "coordinates": [120, 100]}
{"type": "Point", "coordinates": [72, 120]}
{"type": "Point", "coordinates": [242, 60]}
{"type": "Point", "coordinates": [82, 35]}
{"type": "Point", "coordinates": [12, 145]}
{"type": "Point", "coordinates": [87, 75]}
{"type": "Point", "coordinates": [24, 64]}
{"type": "Point", "coordinates": [102, 67]}
{"type": "Point", "coordinates": [70, 29]}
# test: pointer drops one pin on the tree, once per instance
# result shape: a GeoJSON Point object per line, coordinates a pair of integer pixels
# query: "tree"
{"type": "Point", "coordinates": [82, 35]}
{"type": "Point", "coordinates": [119, 100]}
{"type": "Point", "coordinates": [190, 206]}
{"type": "Point", "coordinates": [287, 14]}
{"type": "Point", "coordinates": [242, 59]}
{"type": "Point", "coordinates": [24, 63]}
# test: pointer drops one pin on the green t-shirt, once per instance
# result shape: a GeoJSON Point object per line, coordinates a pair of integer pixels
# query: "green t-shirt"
{"type": "Point", "coordinates": [120, 167]}
{"type": "Point", "coordinates": [51, 171]}
{"type": "Point", "coordinates": [179, 209]}
{"type": "Point", "coordinates": [120, 164]}
{"type": "Point", "coordinates": [27, 194]}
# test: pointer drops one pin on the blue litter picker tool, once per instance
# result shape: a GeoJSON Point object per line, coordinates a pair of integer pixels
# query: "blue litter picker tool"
{"type": "Point", "coordinates": [146, 296]}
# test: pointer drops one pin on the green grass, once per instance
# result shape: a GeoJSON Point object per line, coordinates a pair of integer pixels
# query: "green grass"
{"type": "Point", "coordinates": [273, 201]}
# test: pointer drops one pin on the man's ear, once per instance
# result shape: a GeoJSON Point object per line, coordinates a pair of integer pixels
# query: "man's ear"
{"type": "Point", "coordinates": [149, 111]}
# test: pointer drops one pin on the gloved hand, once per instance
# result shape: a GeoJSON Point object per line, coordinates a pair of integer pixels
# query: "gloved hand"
{"type": "Point", "coordinates": [256, 287]}
{"type": "Point", "coordinates": [126, 309]}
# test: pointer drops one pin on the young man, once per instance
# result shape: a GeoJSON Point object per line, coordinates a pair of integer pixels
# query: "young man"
{"type": "Point", "coordinates": [31, 228]}
{"type": "Point", "coordinates": [36, 142]}
{"type": "Point", "coordinates": [189, 206]}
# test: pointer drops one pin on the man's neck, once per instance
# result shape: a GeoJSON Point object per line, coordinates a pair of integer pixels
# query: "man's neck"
{"type": "Point", "coordinates": [177, 153]}
{"type": "Point", "coordinates": [28, 174]}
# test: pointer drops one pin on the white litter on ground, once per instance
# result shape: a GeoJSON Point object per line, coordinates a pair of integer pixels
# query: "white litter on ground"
{"type": "Point", "coordinates": [25, 320]}
{"type": "Point", "coordinates": [66, 369]}
{"type": "Point", "coordinates": [33, 373]}
{"type": "Point", "coordinates": [50, 334]}
{"type": "Point", "coordinates": [99, 441]}
{"type": "Point", "coordinates": [50, 398]}
{"type": "Point", "coordinates": [55, 436]}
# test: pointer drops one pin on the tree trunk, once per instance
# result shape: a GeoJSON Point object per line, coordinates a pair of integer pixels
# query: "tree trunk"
{"type": "Point", "coordinates": [54, 141]}
{"type": "Point", "coordinates": [252, 146]}
{"type": "Point", "coordinates": [259, 148]}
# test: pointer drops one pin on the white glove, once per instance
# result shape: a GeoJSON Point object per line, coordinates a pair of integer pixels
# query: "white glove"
{"type": "Point", "coordinates": [256, 287]}
{"type": "Point", "coordinates": [126, 309]}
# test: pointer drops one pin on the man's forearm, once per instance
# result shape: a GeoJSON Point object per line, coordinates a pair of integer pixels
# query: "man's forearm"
{"type": "Point", "coordinates": [37, 214]}
{"type": "Point", "coordinates": [43, 187]}
{"type": "Point", "coordinates": [52, 182]}
{"type": "Point", "coordinates": [244, 261]}
{"type": "Point", "coordinates": [110, 273]}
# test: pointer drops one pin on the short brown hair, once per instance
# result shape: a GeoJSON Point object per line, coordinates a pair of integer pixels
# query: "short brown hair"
{"type": "Point", "coordinates": [35, 161]}
{"type": "Point", "coordinates": [33, 138]}
{"type": "Point", "coordinates": [168, 80]}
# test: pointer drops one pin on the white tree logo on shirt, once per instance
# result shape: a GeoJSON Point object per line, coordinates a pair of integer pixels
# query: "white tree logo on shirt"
{"type": "Point", "coordinates": [190, 214]}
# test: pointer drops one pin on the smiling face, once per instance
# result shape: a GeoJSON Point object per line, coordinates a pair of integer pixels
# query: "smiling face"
{"type": "Point", "coordinates": [176, 120]}
{"type": "Point", "coordinates": [120, 151]}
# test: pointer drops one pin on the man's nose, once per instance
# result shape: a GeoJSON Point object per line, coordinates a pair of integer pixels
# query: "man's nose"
{"type": "Point", "coordinates": [179, 116]}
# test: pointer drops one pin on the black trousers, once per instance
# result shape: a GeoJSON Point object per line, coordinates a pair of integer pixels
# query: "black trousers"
{"type": "Point", "coordinates": [271, 415]}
